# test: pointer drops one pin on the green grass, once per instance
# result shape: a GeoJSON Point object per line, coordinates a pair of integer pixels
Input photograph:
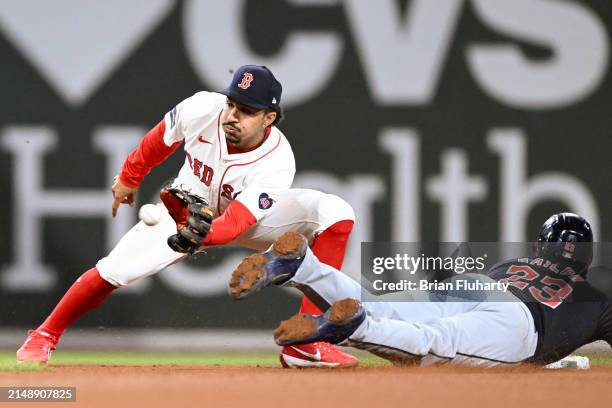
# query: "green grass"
{"type": "Point", "coordinates": [600, 359]}
{"type": "Point", "coordinates": [9, 364]}
{"type": "Point", "coordinates": [7, 359]}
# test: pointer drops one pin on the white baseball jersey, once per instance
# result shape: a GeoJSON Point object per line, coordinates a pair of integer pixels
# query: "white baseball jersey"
{"type": "Point", "coordinates": [254, 178]}
{"type": "Point", "coordinates": [259, 179]}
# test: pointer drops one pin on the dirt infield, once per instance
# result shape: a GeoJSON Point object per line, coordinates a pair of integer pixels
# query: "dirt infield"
{"type": "Point", "coordinates": [184, 386]}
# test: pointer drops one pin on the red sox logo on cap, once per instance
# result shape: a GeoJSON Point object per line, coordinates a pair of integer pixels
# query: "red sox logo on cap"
{"type": "Point", "coordinates": [246, 80]}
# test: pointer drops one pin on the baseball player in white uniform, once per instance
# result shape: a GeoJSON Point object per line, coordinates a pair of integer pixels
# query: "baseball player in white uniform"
{"type": "Point", "coordinates": [242, 166]}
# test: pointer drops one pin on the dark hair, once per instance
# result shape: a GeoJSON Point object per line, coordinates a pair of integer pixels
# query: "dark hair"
{"type": "Point", "coordinates": [279, 115]}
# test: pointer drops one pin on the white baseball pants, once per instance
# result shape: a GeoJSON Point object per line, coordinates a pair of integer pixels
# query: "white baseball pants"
{"type": "Point", "coordinates": [474, 333]}
{"type": "Point", "coordinates": [143, 250]}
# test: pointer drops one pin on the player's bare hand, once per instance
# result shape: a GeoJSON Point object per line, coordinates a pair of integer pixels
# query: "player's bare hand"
{"type": "Point", "coordinates": [122, 194]}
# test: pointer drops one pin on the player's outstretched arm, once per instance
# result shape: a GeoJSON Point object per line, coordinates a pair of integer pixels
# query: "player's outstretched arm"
{"type": "Point", "coordinates": [151, 151]}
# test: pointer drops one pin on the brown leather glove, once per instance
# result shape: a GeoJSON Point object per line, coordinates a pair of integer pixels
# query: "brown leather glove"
{"type": "Point", "coordinates": [193, 218]}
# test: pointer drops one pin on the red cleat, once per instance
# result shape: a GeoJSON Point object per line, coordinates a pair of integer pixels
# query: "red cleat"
{"type": "Point", "coordinates": [37, 348]}
{"type": "Point", "coordinates": [317, 354]}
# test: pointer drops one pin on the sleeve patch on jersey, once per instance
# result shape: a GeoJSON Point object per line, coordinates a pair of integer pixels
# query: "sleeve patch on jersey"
{"type": "Point", "coordinates": [172, 114]}
{"type": "Point", "coordinates": [265, 201]}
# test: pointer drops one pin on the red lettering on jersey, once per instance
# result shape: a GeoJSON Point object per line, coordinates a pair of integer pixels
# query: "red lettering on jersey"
{"type": "Point", "coordinates": [553, 292]}
{"type": "Point", "coordinates": [228, 192]}
{"type": "Point", "coordinates": [197, 166]}
{"type": "Point", "coordinates": [569, 271]}
{"type": "Point", "coordinates": [246, 80]}
{"type": "Point", "coordinates": [207, 175]}
{"type": "Point", "coordinates": [551, 295]}
{"type": "Point", "coordinates": [576, 278]}
{"type": "Point", "coordinates": [520, 274]}
{"type": "Point", "coordinates": [200, 170]}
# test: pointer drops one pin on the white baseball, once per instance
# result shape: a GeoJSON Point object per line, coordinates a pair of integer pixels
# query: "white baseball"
{"type": "Point", "coordinates": [150, 214]}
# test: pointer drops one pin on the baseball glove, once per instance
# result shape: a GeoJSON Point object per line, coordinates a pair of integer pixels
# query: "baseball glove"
{"type": "Point", "coordinates": [193, 218]}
